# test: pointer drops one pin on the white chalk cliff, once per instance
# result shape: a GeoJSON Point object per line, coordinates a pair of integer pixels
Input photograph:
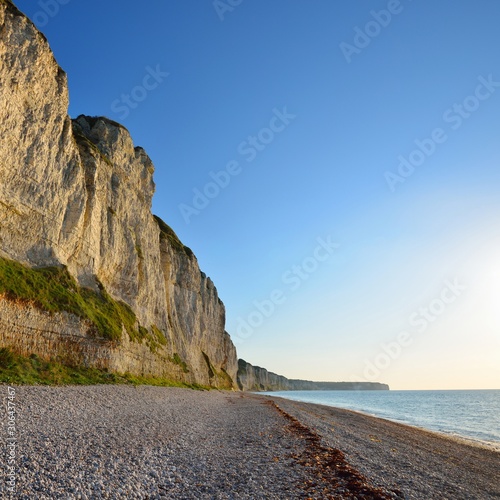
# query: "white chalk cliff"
{"type": "Point", "coordinates": [76, 194]}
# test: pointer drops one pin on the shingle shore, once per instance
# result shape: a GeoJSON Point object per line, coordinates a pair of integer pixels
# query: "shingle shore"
{"type": "Point", "coordinates": [153, 442]}
{"type": "Point", "coordinates": [418, 463]}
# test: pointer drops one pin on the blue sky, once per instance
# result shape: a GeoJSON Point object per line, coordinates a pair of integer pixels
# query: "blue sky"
{"type": "Point", "coordinates": [309, 108]}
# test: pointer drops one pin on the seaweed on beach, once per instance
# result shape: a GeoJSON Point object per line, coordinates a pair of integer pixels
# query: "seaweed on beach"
{"type": "Point", "coordinates": [334, 477]}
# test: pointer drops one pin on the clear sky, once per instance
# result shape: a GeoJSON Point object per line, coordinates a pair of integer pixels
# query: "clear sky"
{"type": "Point", "coordinates": [334, 165]}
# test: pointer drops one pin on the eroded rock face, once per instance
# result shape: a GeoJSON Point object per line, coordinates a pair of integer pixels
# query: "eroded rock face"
{"type": "Point", "coordinates": [118, 236]}
{"type": "Point", "coordinates": [40, 171]}
{"type": "Point", "coordinates": [78, 194]}
{"type": "Point", "coordinates": [194, 310]}
{"type": "Point", "coordinates": [255, 378]}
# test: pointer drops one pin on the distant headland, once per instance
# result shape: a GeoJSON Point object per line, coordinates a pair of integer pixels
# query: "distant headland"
{"type": "Point", "coordinates": [255, 378]}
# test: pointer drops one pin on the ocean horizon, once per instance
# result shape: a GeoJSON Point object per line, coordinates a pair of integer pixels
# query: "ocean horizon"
{"type": "Point", "coordinates": [468, 414]}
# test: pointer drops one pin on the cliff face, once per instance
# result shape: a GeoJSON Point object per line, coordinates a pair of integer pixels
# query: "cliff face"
{"type": "Point", "coordinates": [255, 378]}
{"type": "Point", "coordinates": [78, 194]}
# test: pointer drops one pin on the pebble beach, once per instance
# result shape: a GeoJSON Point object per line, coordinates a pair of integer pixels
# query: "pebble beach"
{"type": "Point", "coordinates": [153, 442]}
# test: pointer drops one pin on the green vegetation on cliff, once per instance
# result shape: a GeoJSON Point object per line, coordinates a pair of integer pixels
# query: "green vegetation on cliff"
{"type": "Point", "coordinates": [53, 289]}
{"type": "Point", "coordinates": [223, 378]}
{"type": "Point", "coordinates": [169, 234]}
{"type": "Point", "coordinates": [176, 359]}
{"type": "Point", "coordinates": [21, 370]}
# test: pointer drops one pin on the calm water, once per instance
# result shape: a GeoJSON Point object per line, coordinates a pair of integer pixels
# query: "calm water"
{"type": "Point", "coordinates": [471, 414]}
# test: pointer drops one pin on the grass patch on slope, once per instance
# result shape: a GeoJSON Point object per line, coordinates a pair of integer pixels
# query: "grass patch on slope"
{"type": "Point", "coordinates": [20, 370]}
{"type": "Point", "coordinates": [169, 234]}
{"type": "Point", "coordinates": [53, 289]}
{"type": "Point", "coordinates": [176, 359]}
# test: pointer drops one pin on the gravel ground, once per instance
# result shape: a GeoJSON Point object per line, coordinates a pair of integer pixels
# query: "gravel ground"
{"type": "Point", "coordinates": [153, 442]}
{"type": "Point", "coordinates": [420, 464]}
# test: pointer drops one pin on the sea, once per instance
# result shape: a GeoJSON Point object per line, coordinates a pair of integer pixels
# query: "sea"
{"type": "Point", "coordinates": [473, 415]}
